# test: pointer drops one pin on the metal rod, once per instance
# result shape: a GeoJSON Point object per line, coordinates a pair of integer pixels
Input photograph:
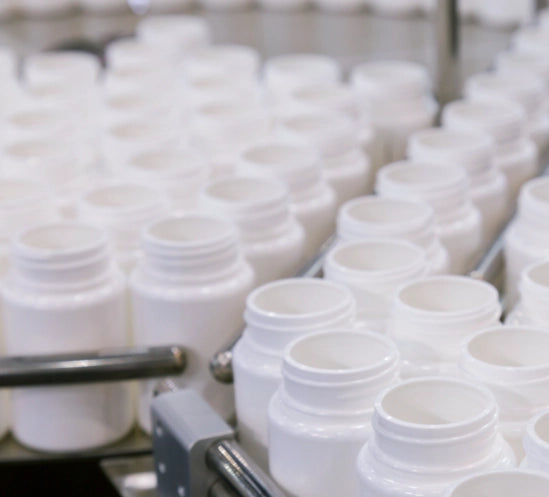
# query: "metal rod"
{"type": "Point", "coordinates": [447, 51]}
{"type": "Point", "coordinates": [238, 470]}
{"type": "Point", "coordinates": [92, 367]}
{"type": "Point", "coordinates": [221, 364]}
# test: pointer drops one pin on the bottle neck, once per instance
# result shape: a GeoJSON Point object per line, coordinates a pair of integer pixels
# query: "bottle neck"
{"type": "Point", "coordinates": [190, 249]}
{"type": "Point", "coordinates": [337, 372]}
{"type": "Point", "coordinates": [279, 312]}
{"type": "Point", "coordinates": [434, 423]}
{"type": "Point", "coordinates": [60, 258]}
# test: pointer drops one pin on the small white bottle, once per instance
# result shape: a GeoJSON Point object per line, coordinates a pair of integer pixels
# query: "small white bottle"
{"type": "Point", "coordinates": [345, 167]}
{"type": "Point", "coordinates": [23, 204]}
{"type": "Point", "coordinates": [340, 6]}
{"type": "Point", "coordinates": [64, 295]}
{"type": "Point", "coordinates": [513, 362]}
{"type": "Point", "coordinates": [312, 200]}
{"type": "Point", "coordinates": [397, 100]}
{"type": "Point", "coordinates": [272, 240]}
{"type": "Point", "coordinates": [190, 289]}
{"type": "Point", "coordinates": [123, 210]}
{"type": "Point", "coordinates": [285, 73]}
{"type": "Point", "coordinates": [178, 173]}
{"type": "Point", "coordinates": [319, 418]}
{"type": "Point", "coordinates": [396, 8]}
{"type": "Point", "coordinates": [225, 4]}
{"type": "Point", "coordinates": [429, 434]}
{"type": "Point", "coordinates": [45, 8]}
{"type": "Point", "coordinates": [536, 443]}
{"type": "Point", "coordinates": [527, 239]}
{"type": "Point", "coordinates": [276, 314]}
{"type": "Point", "coordinates": [56, 164]}
{"type": "Point", "coordinates": [532, 308]}
{"type": "Point", "coordinates": [123, 141]}
{"type": "Point", "coordinates": [502, 483]}
{"type": "Point", "coordinates": [432, 317]}
{"type": "Point", "coordinates": [374, 270]}
{"type": "Point", "coordinates": [230, 61]}
{"type": "Point", "coordinates": [523, 62]}
{"type": "Point", "coordinates": [134, 54]}
{"type": "Point", "coordinates": [511, 13]}
{"type": "Point", "coordinates": [474, 151]}
{"type": "Point", "coordinates": [446, 189]}
{"type": "Point", "coordinates": [176, 35]}
{"type": "Point", "coordinates": [284, 5]}
{"type": "Point", "coordinates": [526, 90]}
{"type": "Point", "coordinates": [515, 155]}
{"type": "Point", "coordinates": [376, 217]}
{"type": "Point", "coordinates": [221, 130]}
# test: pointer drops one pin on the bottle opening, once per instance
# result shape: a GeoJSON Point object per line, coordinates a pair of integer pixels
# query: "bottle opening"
{"type": "Point", "coordinates": [122, 196]}
{"type": "Point", "coordinates": [31, 149]}
{"type": "Point", "coordinates": [449, 294]}
{"type": "Point", "coordinates": [65, 238]}
{"type": "Point", "coordinates": [539, 274]}
{"type": "Point", "coordinates": [164, 161]}
{"type": "Point", "coordinates": [436, 402]}
{"type": "Point", "coordinates": [190, 230]}
{"type": "Point", "coordinates": [278, 155]}
{"type": "Point", "coordinates": [539, 190]}
{"type": "Point", "coordinates": [375, 210]}
{"type": "Point", "coordinates": [503, 484]}
{"type": "Point", "coordinates": [31, 119]}
{"type": "Point", "coordinates": [130, 131]}
{"type": "Point", "coordinates": [417, 174]}
{"type": "Point", "coordinates": [245, 190]}
{"type": "Point", "coordinates": [377, 255]}
{"type": "Point", "coordinates": [340, 351]}
{"type": "Point", "coordinates": [443, 139]}
{"type": "Point", "coordinates": [304, 64]}
{"type": "Point", "coordinates": [298, 297]}
{"type": "Point", "coordinates": [511, 348]}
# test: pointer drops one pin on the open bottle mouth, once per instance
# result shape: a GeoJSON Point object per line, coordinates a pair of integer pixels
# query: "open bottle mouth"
{"type": "Point", "coordinates": [503, 484]}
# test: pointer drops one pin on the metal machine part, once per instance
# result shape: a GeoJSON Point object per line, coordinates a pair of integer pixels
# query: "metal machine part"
{"type": "Point", "coordinates": [91, 367]}
{"type": "Point", "coordinates": [195, 454]}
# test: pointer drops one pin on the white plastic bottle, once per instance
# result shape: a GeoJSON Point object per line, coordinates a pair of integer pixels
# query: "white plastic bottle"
{"type": "Point", "coordinates": [222, 129]}
{"type": "Point", "coordinates": [527, 239]}
{"type": "Point", "coordinates": [514, 61]}
{"type": "Point", "coordinates": [375, 217]}
{"type": "Point", "coordinates": [123, 210]}
{"type": "Point", "coordinates": [225, 4]}
{"type": "Point", "coordinates": [502, 483]}
{"type": "Point", "coordinates": [230, 61]}
{"type": "Point", "coordinates": [397, 99]}
{"type": "Point", "coordinates": [526, 90]}
{"type": "Point", "coordinates": [446, 189]}
{"type": "Point", "coordinates": [333, 97]}
{"type": "Point", "coordinates": [23, 204]}
{"type": "Point", "coordinates": [284, 5]}
{"type": "Point", "coordinates": [374, 270]}
{"type": "Point", "coordinates": [531, 39]}
{"type": "Point", "coordinates": [536, 443]}
{"type": "Point", "coordinates": [515, 155]}
{"type": "Point", "coordinates": [319, 418]}
{"type": "Point", "coordinates": [432, 317]}
{"type": "Point", "coordinates": [312, 200]}
{"type": "Point", "coordinates": [176, 35]}
{"type": "Point", "coordinates": [345, 167]}
{"type": "Point", "coordinates": [276, 314]}
{"type": "Point", "coordinates": [190, 289]}
{"type": "Point", "coordinates": [429, 434]}
{"type": "Point", "coordinates": [285, 73]}
{"type": "Point", "coordinates": [507, 14]}
{"type": "Point", "coordinates": [134, 54]}
{"type": "Point", "coordinates": [56, 164]}
{"type": "Point", "coordinates": [65, 295]}
{"type": "Point", "coordinates": [532, 308]}
{"type": "Point", "coordinates": [513, 362]}
{"type": "Point", "coordinates": [178, 173]}
{"type": "Point", "coordinates": [272, 240]}
{"type": "Point", "coordinates": [474, 151]}
{"type": "Point", "coordinates": [397, 8]}
{"type": "Point", "coordinates": [340, 6]}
